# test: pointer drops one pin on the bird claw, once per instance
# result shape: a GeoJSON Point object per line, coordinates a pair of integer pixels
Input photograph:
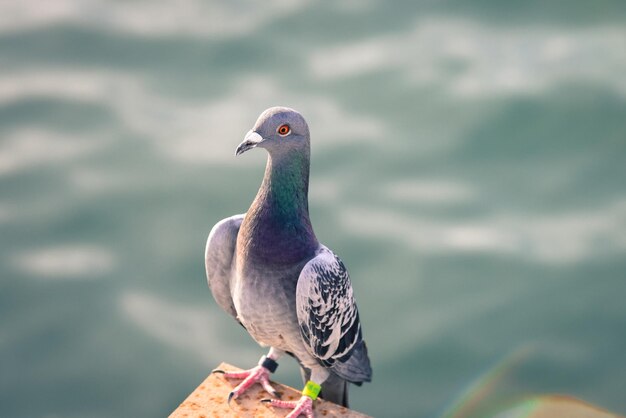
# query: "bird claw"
{"type": "Point", "coordinates": [219, 371]}
{"type": "Point", "coordinates": [269, 389]}
{"type": "Point", "coordinates": [258, 374]}
{"type": "Point", "coordinates": [304, 406]}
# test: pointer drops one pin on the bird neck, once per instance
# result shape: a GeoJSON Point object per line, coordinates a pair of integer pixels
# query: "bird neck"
{"type": "Point", "coordinates": [285, 186]}
{"type": "Point", "coordinates": [277, 226]}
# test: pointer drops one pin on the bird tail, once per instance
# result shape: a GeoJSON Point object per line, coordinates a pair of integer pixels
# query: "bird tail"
{"type": "Point", "coordinates": [334, 389]}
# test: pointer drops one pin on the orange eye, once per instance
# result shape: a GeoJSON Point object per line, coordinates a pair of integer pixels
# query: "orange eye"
{"type": "Point", "coordinates": [283, 130]}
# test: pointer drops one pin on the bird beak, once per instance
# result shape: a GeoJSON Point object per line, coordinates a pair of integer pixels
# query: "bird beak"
{"type": "Point", "coordinates": [251, 140]}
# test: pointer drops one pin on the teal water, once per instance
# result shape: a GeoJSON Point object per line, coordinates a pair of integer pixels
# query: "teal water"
{"type": "Point", "coordinates": [469, 166]}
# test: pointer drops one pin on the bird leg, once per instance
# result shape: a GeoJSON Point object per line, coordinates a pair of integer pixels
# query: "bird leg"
{"type": "Point", "coordinates": [304, 406]}
{"type": "Point", "coordinates": [259, 374]}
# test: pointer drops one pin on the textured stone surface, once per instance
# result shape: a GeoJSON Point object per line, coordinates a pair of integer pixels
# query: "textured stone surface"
{"type": "Point", "coordinates": [209, 401]}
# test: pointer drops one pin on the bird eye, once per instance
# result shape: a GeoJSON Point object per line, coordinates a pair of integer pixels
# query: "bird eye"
{"type": "Point", "coordinates": [283, 130]}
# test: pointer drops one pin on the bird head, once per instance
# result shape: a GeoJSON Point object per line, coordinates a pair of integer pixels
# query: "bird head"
{"type": "Point", "coordinates": [278, 130]}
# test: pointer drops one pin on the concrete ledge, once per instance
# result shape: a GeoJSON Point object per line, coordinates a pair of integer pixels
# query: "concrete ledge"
{"type": "Point", "coordinates": [209, 401]}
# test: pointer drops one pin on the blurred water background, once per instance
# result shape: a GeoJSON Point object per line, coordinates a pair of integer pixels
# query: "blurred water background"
{"type": "Point", "coordinates": [469, 166]}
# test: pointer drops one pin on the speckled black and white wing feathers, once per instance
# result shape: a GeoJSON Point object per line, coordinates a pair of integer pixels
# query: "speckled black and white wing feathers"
{"type": "Point", "coordinates": [329, 319]}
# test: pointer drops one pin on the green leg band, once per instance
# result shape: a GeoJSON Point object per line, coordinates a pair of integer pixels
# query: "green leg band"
{"type": "Point", "coordinates": [311, 389]}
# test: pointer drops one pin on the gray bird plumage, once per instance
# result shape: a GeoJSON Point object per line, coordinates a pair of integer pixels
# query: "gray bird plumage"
{"type": "Point", "coordinates": [267, 269]}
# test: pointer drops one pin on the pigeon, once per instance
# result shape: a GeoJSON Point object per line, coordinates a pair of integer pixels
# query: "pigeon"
{"type": "Point", "coordinates": [292, 294]}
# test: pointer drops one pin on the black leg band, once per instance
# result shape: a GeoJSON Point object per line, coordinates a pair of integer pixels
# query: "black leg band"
{"type": "Point", "coordinates": [269, 364]}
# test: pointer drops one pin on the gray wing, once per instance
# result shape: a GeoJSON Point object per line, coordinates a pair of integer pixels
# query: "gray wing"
{"type": "Point", "coordinates": [329, 319]}
{"type": "Point", "coordinates": [219, 259]}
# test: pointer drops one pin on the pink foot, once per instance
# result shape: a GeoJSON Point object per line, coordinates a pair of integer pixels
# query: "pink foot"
{"type": "Point", "coordinates": [302, 407]}
{"type": "Point", "coordinates": [258, 374]}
